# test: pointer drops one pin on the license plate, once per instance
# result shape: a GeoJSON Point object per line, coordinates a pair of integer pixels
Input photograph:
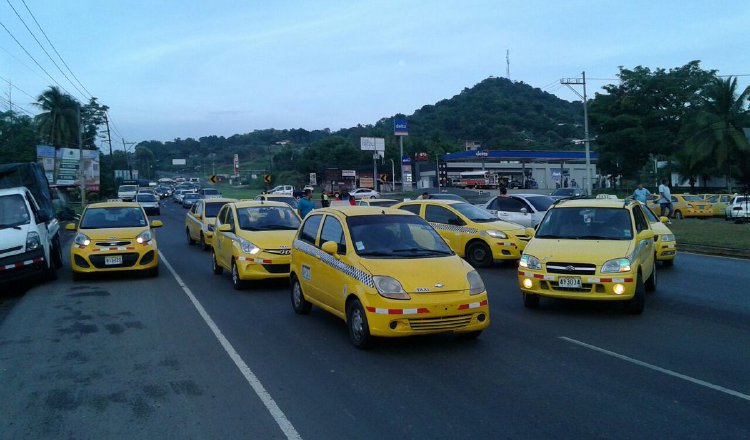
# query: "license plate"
{"type": "Point", "coordinates": [569, 282]}
{"type": "Point", "coordinates": [114, 259]}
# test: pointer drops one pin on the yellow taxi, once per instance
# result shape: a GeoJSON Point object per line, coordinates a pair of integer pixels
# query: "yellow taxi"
{"type": "Point", "coordinates": [719, 202]}
{"type": "Point", "coordinates": [387, 273]}
{"type": "Point", "coordinates": [665, 242]}
{"type": "Point", "coordinates": [286, 198]}
{"type": "Point", "coordinates": [590, 249]}
{"type": "Point", "coordinates": [253, 239]}
{"type": "Point", "coordinates": [376, 202]}
{"type": "Point", "coordinates": [112, 237]}
{"type": "Point", "coordinates": [684, 206]}
{"type": "Point", "coordinates": [200, 219]}
{"type": "Point", "coordinates": [472, 232]}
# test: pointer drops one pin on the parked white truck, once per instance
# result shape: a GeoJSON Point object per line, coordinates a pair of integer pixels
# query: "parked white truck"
{"type": "Point", "coordinates": [29, 231]}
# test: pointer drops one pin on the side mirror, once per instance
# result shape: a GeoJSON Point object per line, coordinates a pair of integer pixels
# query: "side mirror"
{"type": "Point", "coordinates": [648, 234]}
{"type": "Point", "coordinates": [530, 232]}
{"type": "Point", "coordinates": [157, 224]}
{"type": "Point", "coordinates": [330, 247]}
{"type": "Point", "coordinates": [664, 219]}
{"type": "Point", "coordinates": [524, 211]}
{"type": "Point", "coordinates": [225, 228]}
{"type": "Point", "coordinates": [71, 227]}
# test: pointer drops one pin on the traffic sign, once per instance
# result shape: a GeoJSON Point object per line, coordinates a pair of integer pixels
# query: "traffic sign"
{"type": "Point", "coordinates": [383, 178]}
{"type": "Point", "coordinates": [213, 179]}
{"type": "Point", "coordinates": [267, 178]}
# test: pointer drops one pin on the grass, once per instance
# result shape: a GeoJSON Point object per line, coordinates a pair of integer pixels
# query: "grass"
{"type": "Point", "coordinates": [237, 193]}
{"type": "Point", "coordinates": [714, 232]}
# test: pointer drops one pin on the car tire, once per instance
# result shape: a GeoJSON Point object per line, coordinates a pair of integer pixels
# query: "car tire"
{"type": "Point", "coordinates": [678, 215]}
{"type": "Point", "coordinates": [237, 282]}
{"type": "Point", "coordinates": [218, 270]}
{"type": "Point", "coordinates": [300, 305]}
{"type": "Point", "coordinates": [651, 282]}
{"type": "Point", "coordinates": [51, 272]}
{"type": "Point", "coordinates": [190, 240]}
{"type": "Point", "coordinates": [356, 321]}
{"type": "Point", "coordinates": [478, 254]}
{"type": "Point", "coordinates": [56, 253]}
{"type": "Point", "coordinates": [530, 301]}
{"type": "Point", "coordinates": [205, 246]}
{"type": "Point", "coordinates": [636, 305]}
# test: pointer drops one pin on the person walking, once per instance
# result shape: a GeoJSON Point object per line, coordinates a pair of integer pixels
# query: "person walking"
{"type": "Point", "coordinates": [324, 202]}
{"type": "Point", "coordinates": [425, 195]}
{"type": "Point", "coordinates": [641, 194]}
{"type": "Point", "coordinates": [352, 200]}
{"type": "Point", "coordinates": [305, 204]}
{"type": "Point", "coordinates": [665, 200]}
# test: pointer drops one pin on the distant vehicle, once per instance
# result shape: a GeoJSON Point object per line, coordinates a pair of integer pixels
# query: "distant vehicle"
{"type": "Point", "coordinates": [514, 184]}
{"type": "Point", "coordinates": [282, 189]}
{"type": "Point", "coordinates": [210, 193]}
{"type": "Point", "coordinates": [163, 191]}
{"type": "Point", "coordinates": [524, 209]}
{"type": "Point", "coordinates": [477, 179]}
{"type": "Point", "coordinates": [364, 193]}
{"type": "Point", "coordinates": [149, 202]}
{"type": "Point", "coordinates": [189, 198]}
{"type": "Point", "coordinates": [562, 193]}
{"type": "Point", "coordinates": [447, 196]}
{"type": "Point", "coordinates": [289, 200]}
{"type": "Point", "coordinates": [377, 202]}
{"type": "Point", "coordinates": [194, 180]}
{"type": "Point", "coordinates": [739, 209]}
{"type": "Point", "coordinates": [127, 193]}
{"type": "Point", "coordinates": [178, 193]}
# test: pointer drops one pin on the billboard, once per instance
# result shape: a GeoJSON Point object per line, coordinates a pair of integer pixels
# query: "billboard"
{"type": "Point", "coordinates": [61, 166]}
{"type": "Point", "coordinates": [179, 162]}
{"type": "Point", "coordinates": [372, 144]}
{"type": "Point", "coordinates": [400, 127]}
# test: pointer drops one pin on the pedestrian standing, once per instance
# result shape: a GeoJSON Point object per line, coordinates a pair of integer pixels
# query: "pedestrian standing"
{"type": "Point", "coordinates": [641, 194]}
{"type": "Point", "coordinates": [305, 204]}
{"type": "Point", "coordinates": [324, 202]}
{"type": "Point", "coordinates": [425, 195]}
{"type": "Point", "coordinates": [352, 200]}
{"type": "Point", "coordinates": [665, 199]}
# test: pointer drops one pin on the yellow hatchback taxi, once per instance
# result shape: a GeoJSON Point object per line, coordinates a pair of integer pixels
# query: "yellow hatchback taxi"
{"type": "Point", "coordinates": [387, 273]}
{"type": "Point", "coordinates": [253, 240]}
{"type": "Point", "coordinates": [472, 232]}
{"type": "Point", "coordinates": [200, 219]}
{"type": "Point", "coordinates": [113, 237]}
{"type": "Point", "coordinates": [665, 242]}
{"type": "Point", "coordinates": [590, 249]}
{"type": "Point", "coordinates": [684, 206]}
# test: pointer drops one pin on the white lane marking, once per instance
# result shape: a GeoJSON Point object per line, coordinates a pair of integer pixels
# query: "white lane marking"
{"type": "Point", "coordinates": [659, 369]}
{"type": "Point", "coordinates": [270, 404]}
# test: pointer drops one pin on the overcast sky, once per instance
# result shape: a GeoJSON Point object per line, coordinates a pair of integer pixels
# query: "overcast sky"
{"type": "Point", "coordinates": [191, 68]}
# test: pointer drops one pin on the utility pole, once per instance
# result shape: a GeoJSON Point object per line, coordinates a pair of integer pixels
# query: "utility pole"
{"type": "Point", "coordinates": [127, 156]}
{"type": "Point", "coordinates": [81, 181]}
{"type": "Point", "coordinates": [507, 63]}
{"type": "Point", "coordinates": [111, 158]}
{"type": "Point", "coordinates": [582, 81]}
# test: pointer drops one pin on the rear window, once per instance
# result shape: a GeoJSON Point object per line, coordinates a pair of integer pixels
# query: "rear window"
{"type": "Point", "coordinates": [128, 188]}
{"type": "Point", "coordinates": [145, 198]}
{"type": "Point", "coordinates": [541, 203]}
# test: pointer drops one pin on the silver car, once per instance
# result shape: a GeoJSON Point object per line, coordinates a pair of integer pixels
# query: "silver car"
{"type": "Point", "coordinates": [739, 209]}
{"type": "Point", "coordinates": [524, 209]}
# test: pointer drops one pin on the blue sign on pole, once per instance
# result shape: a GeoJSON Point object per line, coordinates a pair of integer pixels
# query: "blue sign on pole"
{"type": "Point", "coordinates": [400, 127]}
{"type": "Point", "coordinates": [405, 159]}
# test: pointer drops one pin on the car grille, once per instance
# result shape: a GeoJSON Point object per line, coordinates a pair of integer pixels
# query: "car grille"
{"type": "Point", "coordinates": [572, 268]}
{"type": "Point", "coordinates": [15, 248]}
{"type": "Point", "coordinates": [584, 287]}
{"type": "Point", "coordinates": [128, 260]}
{"type": "Point", "coordinates": [112, 243]}
{"type": "Point", "coordinates": [276, 268]}
{"type": "Point", "coordinates": [442, 323]}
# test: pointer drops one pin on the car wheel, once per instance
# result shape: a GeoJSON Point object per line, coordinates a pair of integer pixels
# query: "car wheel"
{"type": "Point", "coordinates": [190, 240]}
{"type": "Point", "coordinates": [530, 301]}
{"type": "Point", "coordinates": [218, 270]}
{"type": "Point", "coordinates": [678, 215]}
{"type": "Point", "coordinates": [51, 273]}
{"type": "Point", "coordinates": [359, 329]}
{"type": "Point", "coordinates": [478, 254]}
{"type": "Point", "coordinates": [56, 253]}
{"type": "Point", "coordinates": [205, 246]}
{"type": "Point", "coordinates": [237, 282]}
{"type": "Point", "coordinates": [300, 305]}
{"type": "Point", "coordinates": [651, 281]}
{"type": "Point", "coordinates": [638, 302]}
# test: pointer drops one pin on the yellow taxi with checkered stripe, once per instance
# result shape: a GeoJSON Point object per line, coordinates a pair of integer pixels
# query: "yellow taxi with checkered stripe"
{"type": "Point", "coordinates": [590, 249]}
{"type": "Point", "coordinates": [252, 240]}
{"type": "Point", "coordinates": [387, 273]}
{"type": "Point", "coordinates": [200, 219]}
{"type": "Point", "coordinates": [112, 237]}
{"type": "Point", "coordinates": [472, 232]}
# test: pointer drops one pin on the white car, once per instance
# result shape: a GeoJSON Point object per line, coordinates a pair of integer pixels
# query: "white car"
{"type": "Point", "coordinates": [364, 193]}
{"type": "Point", "coordinates": [524, 209]}
{"type": "Point", "coordinates": [149, 202]}
{"type": "Point", "coordinates": [739, 209]}
{"type": "Point", "coordinates": [283, 189]}
{"type": "Point", "coordinates": [127, 192]}
{"type": "Point", "coordinates": [210, 193]}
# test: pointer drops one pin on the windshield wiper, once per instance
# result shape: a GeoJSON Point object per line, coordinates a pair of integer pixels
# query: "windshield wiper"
{"type": "Point", "coordinates": [11, 225]}
{"type": "Point", "coordinates": [422, 251]}
{"type": "Point", "coordinates": [596, 237]}
{"type": "Point", "coordinates": [484, 220]}
{"type": "Point", "coordinates": [375, 254]}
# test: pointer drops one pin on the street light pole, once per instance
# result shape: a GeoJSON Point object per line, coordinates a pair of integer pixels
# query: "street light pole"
{"type": "Point", "coordinates": [582, 81]}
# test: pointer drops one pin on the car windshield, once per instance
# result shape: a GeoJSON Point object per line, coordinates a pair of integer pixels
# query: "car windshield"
{"type": "Point", "coordinates": [586, 223]}
{"type": "Point", "coordinates": [212, 209]}
{"type": "Point", "coordinates": [13, 211]}
{"type": "Point", "coordinates": [128, 188]}
{"type": "Point", "coordinates": [474, 213]}
{"type": "Point", "coordinates": [651, 216]}
{"type": "Point", "coordinates": [145, 198]}
{"type": "Point", "coordinates": [114, 217]}
{"type": "Point", "coordinates": [541, 203]}
{"type": "Point", "coordinates": [266, 218]}
{"type": "Point", "coordinates": [291, 201]}
{"type": "Point", "coordinates": [395, 236]}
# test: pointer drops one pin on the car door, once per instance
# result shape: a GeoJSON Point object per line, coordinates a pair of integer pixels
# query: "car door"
{"type": "Point", "coordinates": [509, 210]}
{"type": "Point", "coordinates": [308, 260]}
{"type": "Point", "coordinates": [448, 224]}
{"type": "Point", "coordinates": [333, 281]}
{"type": "Point", "coordinates": [194, 221]}
{"type": "Point", "coordinates": [645, 249]}
{"type": "Point", "coordinates": [220, 238]}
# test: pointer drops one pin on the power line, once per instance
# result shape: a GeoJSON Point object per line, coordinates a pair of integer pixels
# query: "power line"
{"type": "Point", "coordinates": [54, 48]}
{"type": "Point", "coordinates": [22, 63]}
{"type": "Point", "coordinates": [43, 49]}
{"type": "Point", "coordinates": [17, 88]}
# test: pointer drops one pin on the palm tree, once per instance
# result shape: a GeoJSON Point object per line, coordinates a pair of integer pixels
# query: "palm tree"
{"type": "Point", "coordinates": [58, 122]}
{"type": "Point", "coordinates": [717, 128]}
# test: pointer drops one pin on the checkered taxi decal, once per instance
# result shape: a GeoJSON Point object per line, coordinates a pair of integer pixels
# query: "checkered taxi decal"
{"type": "Point", "coordinates": [351, 271]}
{"type": "Point", "coordinates": [453, 228]}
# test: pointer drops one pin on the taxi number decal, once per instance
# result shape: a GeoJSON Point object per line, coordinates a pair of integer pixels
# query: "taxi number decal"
{"type": "Point", "coordinates": [422, 289]}
{"type": "Point", "coordinates": [306, 272]}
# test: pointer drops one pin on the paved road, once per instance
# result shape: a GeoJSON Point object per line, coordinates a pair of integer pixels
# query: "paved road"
{"type": "Point", "coordinates": [117, 357]}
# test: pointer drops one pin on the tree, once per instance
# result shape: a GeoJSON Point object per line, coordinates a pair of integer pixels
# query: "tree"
{"type": "Point", "coordinates": [93, 115]}
{"type": "Point", "coordinates": [58, 122]}
{"type": "Point", "coordinates": [17, 138]}
{"type": "Point", "coordinates": [716, 131]}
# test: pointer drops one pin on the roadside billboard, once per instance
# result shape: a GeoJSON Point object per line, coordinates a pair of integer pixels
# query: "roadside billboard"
{"type": "Point", "coordinates": [400, 127]}
{"type": "Point", "coordinates": [61, 166]}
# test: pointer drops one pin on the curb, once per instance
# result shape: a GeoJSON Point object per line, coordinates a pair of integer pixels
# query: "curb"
{"type": "Point", "coordinates": [713, 250]}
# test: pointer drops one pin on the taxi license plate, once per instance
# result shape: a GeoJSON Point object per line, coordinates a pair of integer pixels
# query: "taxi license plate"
{"type": "Point", "coordinates": [113, 260]}
{"type": "Point", "coordinates": [569, 282]}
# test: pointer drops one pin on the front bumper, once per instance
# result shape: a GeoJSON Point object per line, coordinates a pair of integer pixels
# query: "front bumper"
{"type": "Point", "coordinates": [93, 258]}
{"type": "Point", "coordinates": [596, 287]}
{"type": "Point", "coordinates": [506, 248]}
{"type": "Point", "coordinates": [263, 267]}
{"type": "Point", "coordinates": [21, 266]}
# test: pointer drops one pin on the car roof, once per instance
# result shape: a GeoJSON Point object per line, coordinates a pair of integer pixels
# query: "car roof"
{"type": "Point", "coordinates": [253, 203]}
{"type": "Point", "coordinates": [353, 211]}
{"type": "Point", "coordinates": [114, 205]}
{"type": "Point", "coordinates": [221, 200]}
{"type": "Point", "coordinates": [436, 201]}
{"type": "Point", "coordinates": [591, 203]}
{"type": "Point", "coordinates": [380, 200]}
{"type": "Point", "coordinates": [276, 196]}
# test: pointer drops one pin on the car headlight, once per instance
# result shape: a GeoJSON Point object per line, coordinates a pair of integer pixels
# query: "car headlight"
{"type": "Point", "coordinates": [144, 237]}
{"type": "Point", "coordinates": [81, 240]}
{"type": "Point", "coordinates": [496, 234]}
{"type": "Point", "coordinates": [667, 237]}
{"type": "Point", "coordinates": [389, 287]}
{"type": "Point", "coordinates": [476, 285]}
{"type": "Point", "coordinates": [32, 241]}
{"type": "Point", "coordinates": [617, 265]}
{"type": "Point", "coordinates": [530, 262]}
{"type": "Point", "coordinates": [248, 248]}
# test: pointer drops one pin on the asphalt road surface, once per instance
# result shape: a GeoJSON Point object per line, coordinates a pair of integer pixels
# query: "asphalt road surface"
{"type": "Point", "coordinates": [188, 357]}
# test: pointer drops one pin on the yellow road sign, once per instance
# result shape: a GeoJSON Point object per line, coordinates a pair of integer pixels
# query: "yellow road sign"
{"type": "Point", "coordinates": [383, 178]}
{"type": "Point", "coordinates": [267, 178]}
{"type": "Point", "coordinates": [213, 179]}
